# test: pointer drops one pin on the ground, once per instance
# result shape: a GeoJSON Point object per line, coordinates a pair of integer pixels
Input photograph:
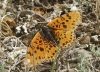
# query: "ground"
{"type": "Point", "coordinates": [21, 20]}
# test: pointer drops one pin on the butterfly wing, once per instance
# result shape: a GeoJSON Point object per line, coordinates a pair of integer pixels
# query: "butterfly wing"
{"type": "Point", "coordinates": [64, 38]}
{"type": "Point", "coordinates": [40, 50]}
{"type": "Point", "coordinates": [36, 51]}
{"type": "Point", "coordinates": [50, 52]}
{"type": "Point", "coordinates": [66, 22]}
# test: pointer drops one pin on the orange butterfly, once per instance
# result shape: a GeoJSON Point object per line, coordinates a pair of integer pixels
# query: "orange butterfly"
{"type": "Point", "coordinates": [43, 48]}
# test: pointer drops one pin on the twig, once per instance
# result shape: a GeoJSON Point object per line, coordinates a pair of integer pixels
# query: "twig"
{"type": "Point", "coordinates": [14, 65]}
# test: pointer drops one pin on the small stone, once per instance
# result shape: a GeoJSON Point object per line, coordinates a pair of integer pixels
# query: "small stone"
{"type": "Point", "coordinates": [85, 40]}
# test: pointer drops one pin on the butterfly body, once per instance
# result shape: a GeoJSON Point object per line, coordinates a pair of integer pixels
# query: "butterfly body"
{"type": "Point", "coordinates": [44, 45]}
{"type": "Point", "coordinates": [48, 34]}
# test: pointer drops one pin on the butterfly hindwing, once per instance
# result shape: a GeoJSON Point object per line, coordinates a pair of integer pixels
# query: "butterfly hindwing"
{"type": "Point", "coordinates": [64, 38]}
{"type": "Point", "coordinates": [40, 50]}
{"type": "Point", "coordinates": [36, 51]}
{"type": "Point", "coordinates": [51, 50]}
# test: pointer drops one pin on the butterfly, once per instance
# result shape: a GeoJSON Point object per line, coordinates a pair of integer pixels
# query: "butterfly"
{"type": "Point", "coordinates": [43, 47]}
